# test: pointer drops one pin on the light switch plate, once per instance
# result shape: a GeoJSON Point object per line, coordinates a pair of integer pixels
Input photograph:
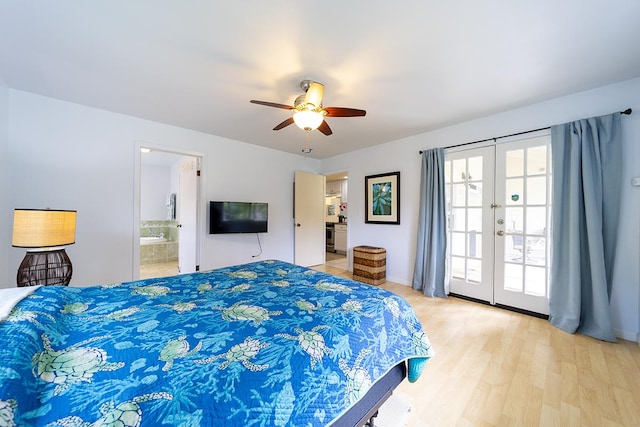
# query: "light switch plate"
{"type": "Point", "coordinates": [635, 182]}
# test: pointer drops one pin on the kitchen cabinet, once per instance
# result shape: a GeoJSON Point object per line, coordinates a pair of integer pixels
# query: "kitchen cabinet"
{"type": "Point", "coordinates": [343, 190]}
{"type": "Point", "coordinates": [340, 238]}
{"type": "Point", "coordinates": [333, 188]}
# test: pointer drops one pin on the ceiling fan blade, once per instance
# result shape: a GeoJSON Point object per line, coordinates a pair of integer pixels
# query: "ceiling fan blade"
{"type": "Point", "coordinates": [344, 112]}
{"type": "Point", "coordinates": [272, 104]}
{"type": "Point", "coordinates": [324, 128]}
{"type": "Point", "coordinates": [284, 124]}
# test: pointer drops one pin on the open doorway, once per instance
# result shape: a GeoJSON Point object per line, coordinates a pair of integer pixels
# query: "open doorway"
{"type": "Point", "coordinates": [168, 214]}
{"type": "Point", "coordinates": [337, 219]}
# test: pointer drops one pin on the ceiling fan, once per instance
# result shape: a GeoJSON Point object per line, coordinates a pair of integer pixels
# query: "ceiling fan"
{"type": "Point", "coordinates": [309, 113]}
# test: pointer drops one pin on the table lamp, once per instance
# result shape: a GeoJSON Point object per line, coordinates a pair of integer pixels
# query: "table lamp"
{"type": "Point", "coordinates": [44, 232]}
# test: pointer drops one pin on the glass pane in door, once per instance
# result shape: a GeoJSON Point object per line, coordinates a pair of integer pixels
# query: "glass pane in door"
{"type": "Point", "coordinates": [457, 268]}
{"type": "Point", "coordinates": [459, 170]}
{"type": "Point", "coordinates": [537, 190]}
{"type": "Point", "coordinates": [514, 165]}
{"type": "Point", "coordinates": [513, 277]}
{"type": "Point", "coordinates": [474, 269]}
{"type": "Point", "coordinates": [535, 281]}
{"type": "Point", "coordinates": [474, 169]}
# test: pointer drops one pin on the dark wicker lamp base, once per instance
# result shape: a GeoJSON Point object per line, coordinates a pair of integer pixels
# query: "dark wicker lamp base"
{"type": "Point", "coordinates": [45, 268]}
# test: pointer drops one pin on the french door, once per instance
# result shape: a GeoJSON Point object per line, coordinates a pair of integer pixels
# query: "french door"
{"type": "Point", "coordinates": [470, 194]}
{"type": "Point", "coordinates": [498, 207]}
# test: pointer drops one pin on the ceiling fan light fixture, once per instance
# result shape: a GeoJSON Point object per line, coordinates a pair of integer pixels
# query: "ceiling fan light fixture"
{"type": "Point", "coordinates": [308, 111]}
{"type": "Point", "coordinates": [308, 120]}
{"type": "Point", "coordinates": [314, 94]}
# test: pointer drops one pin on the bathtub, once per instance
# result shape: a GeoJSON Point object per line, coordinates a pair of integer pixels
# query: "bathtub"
{"type": "Point", "coordinates": [152, 240]}
{"type": "Point", "coordinates": [157, 250]}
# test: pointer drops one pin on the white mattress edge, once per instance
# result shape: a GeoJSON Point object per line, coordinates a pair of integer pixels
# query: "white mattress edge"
{"type": "Point", "coordinates": [12, 296]}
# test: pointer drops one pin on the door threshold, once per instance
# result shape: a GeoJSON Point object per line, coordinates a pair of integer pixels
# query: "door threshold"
{"type": "Point", "coordinates": [502, 306]}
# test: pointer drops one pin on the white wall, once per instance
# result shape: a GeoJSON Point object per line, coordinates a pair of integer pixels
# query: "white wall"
{"type": "Point", "coordinates": [6, 209]}
{"type": "Point", "coordinates": [403, 156]}
{"type": "Point", "coordinates": [64, 155]}
{"type": "Point", "coordinates": [155, 186]}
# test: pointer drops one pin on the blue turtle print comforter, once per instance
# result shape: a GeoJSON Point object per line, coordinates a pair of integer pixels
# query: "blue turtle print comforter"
{"type": "Point", "coordinates": [261, 344]}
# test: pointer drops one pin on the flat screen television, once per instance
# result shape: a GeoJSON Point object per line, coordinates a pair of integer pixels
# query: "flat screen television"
{"type": "Point", "coordinates": [238, 217]}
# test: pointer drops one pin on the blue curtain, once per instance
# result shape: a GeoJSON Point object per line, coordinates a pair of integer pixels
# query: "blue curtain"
{"type": "Point", "coordinates": [587, 156]}
{"type": "Point", "coordinates": [429, 271]}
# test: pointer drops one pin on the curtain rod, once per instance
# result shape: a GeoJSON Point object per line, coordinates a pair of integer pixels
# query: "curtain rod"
{"type": "Point", "coordinates": [628, 111]}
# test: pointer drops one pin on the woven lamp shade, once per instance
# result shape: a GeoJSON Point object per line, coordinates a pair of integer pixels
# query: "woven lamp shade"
{"type": "Point", "coordinates": [43, 228]}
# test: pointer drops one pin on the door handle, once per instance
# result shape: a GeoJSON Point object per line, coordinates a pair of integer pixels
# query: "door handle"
{"type": "Point", "coordinates": [179, 225]}
{"type": "Point", "coordinates": [500, 233]}
{"type": "Point", "coordinates": [298, 224]}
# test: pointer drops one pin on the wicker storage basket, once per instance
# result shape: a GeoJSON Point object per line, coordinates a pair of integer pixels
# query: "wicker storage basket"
{"type": "Point", "coordinates": [370, 265]}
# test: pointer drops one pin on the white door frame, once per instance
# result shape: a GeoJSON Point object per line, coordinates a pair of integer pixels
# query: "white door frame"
{"type": "Point", "coordinates": [135, 241]}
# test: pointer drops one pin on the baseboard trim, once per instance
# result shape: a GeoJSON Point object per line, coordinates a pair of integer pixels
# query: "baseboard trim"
{"type": "Point", "coordinates": [398, 281]}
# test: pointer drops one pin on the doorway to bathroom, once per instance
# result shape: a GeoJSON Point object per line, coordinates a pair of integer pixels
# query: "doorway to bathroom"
{"type": "Point", "coordinates": [168, 213]}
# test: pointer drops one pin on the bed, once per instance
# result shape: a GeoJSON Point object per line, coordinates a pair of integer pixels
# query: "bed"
{"type": "Point", "coordinates": [261, 344]}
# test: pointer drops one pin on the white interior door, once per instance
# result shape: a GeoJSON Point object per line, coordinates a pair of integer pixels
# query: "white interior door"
{"type": "Point", "coordinates": [188, 215]}
{"type": "Point", "coordinates": [498, 206]}
{"type": "Point", "coordinates": [309, 234]}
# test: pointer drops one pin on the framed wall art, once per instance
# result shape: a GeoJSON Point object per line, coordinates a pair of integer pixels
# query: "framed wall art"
{"type": "Point", "coordinates": [382, 198]}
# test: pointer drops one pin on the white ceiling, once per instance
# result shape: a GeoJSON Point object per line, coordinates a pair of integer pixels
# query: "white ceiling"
{"type": "Point", "coordinates": [414, 65]}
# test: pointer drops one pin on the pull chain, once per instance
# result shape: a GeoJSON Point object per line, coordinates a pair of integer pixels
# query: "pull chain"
{"type": "Point", "coordinates": [307, 149]}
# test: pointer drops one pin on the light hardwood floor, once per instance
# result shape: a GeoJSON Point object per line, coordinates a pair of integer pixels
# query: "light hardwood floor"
{"type": "Point", "coordinates": [493, 367]}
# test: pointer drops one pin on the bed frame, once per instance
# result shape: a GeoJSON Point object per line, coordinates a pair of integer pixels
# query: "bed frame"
{"type": "Point", "coordinates": [363, 413]}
